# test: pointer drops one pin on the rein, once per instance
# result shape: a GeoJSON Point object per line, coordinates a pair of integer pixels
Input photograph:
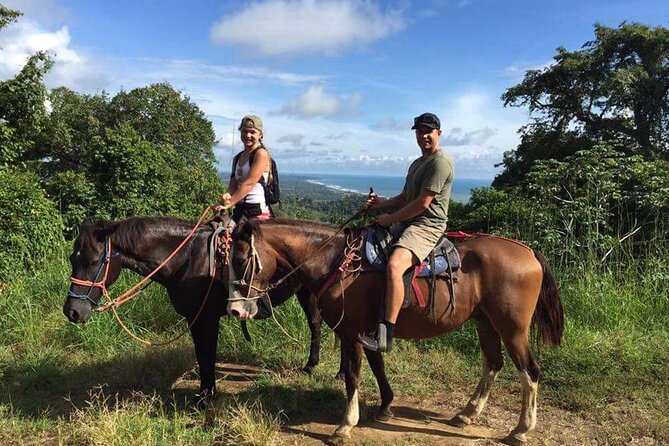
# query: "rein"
{"type": "Point", "coordinates": [271, 286]}
{"type": "Point", "coordinates": [255, 267]}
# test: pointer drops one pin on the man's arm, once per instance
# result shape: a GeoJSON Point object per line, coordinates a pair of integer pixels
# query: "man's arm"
{"type": "Point", "coordinates": [411, 210]}
{"type": "Point", "coordinates": [379, 204]}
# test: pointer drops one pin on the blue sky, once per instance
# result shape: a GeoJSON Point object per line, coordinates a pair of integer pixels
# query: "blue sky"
{"type": "Point", "coordinates": [337, 82]}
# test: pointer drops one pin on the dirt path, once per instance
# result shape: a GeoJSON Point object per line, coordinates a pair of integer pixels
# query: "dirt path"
{"type": "Point", "coordinates": [422, 421]}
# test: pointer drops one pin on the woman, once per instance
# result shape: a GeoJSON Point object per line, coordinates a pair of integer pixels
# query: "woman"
{"type": "Point", "coordinates": [250, 174]}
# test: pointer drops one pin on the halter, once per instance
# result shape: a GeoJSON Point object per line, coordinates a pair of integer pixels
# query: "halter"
{"type": "Point", "coordinates": [253, 266]}
{"type": "Point", "coordinates": [104, 264]}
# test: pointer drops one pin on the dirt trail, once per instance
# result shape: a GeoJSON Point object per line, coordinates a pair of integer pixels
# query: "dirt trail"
{"type": "Point", "coordinates": [422, 421]}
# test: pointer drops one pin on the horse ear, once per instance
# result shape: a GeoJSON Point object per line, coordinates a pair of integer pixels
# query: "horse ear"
{"type": "Point", "coordinates": [102, 229]}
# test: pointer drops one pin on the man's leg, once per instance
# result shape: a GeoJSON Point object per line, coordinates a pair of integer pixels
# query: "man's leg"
{"type": "Point", "coordinates": [400, 260]}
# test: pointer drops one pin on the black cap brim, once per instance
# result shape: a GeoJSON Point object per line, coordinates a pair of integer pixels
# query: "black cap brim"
{"type": "Point", "coordinates": [432, 126]}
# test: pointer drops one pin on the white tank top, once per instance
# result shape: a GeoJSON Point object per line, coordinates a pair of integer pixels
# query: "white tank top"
{"type": "Point", "coordinates": [257, 193]}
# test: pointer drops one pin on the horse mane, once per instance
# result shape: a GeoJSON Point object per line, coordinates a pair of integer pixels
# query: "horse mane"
{"type": "Point", "coordinates": [126, 233]}
{"type": "Point", "coordinates": [254, 226]}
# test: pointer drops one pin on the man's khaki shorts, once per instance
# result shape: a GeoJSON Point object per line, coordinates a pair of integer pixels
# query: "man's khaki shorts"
{"type": "Point", "coordinates": [420, 240]}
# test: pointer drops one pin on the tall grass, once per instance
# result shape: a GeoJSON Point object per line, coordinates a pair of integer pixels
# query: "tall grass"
{"type": "Point", "coordinates": [62, 383]}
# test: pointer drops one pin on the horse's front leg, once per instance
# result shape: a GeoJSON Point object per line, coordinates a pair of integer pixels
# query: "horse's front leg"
{"type": "Point", "coordinates": [308, 303]}
{"type": "Point", "coordinates": [377, 365]}
{"type": "Point", "coordinates": [205, 338]}
{"type": "Point", "coordinates": [352, 361]}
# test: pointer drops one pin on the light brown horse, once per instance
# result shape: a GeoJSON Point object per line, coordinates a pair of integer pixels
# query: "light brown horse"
{"type": "Point", "coordinates": [505, 286]}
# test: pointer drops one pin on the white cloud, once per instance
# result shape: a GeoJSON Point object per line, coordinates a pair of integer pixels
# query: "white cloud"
{"type": "Point", "coordinates": [189, 70]}
{"type": "Point", "coordinates": [517, 71]}
{"type": "Point", "coordinates": [71, 68]}
{"type": "Point", "coordinates": [283, 27]}
{"type": "Point", "coordinates": [391, 124]}
{"type": "Point", "coordinates": [294, 139]}
{"type": "Point", "coordinates": [41, 10]}
{"type": "Point", "coordinates": [457, 137]}
{"type": "Point", "coordinates": [316, 103]}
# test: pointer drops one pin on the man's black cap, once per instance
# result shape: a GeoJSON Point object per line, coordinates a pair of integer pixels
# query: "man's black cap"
{"type": "Point", "coordinates": [427, 119]}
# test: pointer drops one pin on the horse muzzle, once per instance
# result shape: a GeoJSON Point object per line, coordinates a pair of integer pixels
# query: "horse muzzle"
{"type": "Point", "coordinates": [77, 311]}
{"type": "Point", "coordinates": [242, 309]}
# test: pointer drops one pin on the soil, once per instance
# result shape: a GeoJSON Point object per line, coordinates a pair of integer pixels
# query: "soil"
{"type": "Point", "coordinates": [423, 421]}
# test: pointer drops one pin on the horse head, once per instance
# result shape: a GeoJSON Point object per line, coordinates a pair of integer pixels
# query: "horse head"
{"type": "Point", "coordinates": [251, 269]}
{"type": "Point", "coordinates": [95, 266]}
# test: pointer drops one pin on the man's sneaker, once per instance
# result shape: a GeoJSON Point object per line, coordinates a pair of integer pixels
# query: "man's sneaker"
{"type": "Point", "coordinates": [379, 340]}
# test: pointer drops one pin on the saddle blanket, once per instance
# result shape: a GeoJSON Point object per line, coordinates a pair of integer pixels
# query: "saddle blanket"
{"type": "Point", "coordinates": [379, 243]}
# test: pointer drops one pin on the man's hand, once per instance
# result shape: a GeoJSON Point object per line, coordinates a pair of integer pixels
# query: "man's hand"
{"type": "Point", "coordinates": [384, 220]}
{"type": "Point", "coordinates": [371, 200]}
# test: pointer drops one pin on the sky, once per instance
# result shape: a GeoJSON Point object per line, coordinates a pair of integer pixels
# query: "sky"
{"type": "Point", "coordinates": [336, 82]}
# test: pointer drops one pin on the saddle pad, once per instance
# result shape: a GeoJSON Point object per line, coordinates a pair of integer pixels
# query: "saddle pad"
{"type": "Point", "coordinates": [379, 242]}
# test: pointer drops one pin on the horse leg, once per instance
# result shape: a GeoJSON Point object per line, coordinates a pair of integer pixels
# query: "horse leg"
{"type": "Point", "coordinates": [353, 361]}
{"type": "Point", "coordinates": [308, 303]}
{"type": "Point", "coordinates": [519, 350]}
{"type": "Point", "coordinates": [375, 359]}
{"type": "Point", "coordinates": [491, 345]}
{"type": "Point", "coordinates": [205, 337]}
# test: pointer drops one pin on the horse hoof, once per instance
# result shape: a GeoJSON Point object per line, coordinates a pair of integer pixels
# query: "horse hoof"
{"type": "Point", "coordinates": [513, 440]}
{"type": "Point", "coordinates": [458, 421]}
{"type": "Point", "coordinates": [383, 415]}
{"type": "Point", "coordinates": [307, 369]}
{"type": "Point", "coordinates": [336, 440]}
{"type": "Point", "coordinates": [340, 376]}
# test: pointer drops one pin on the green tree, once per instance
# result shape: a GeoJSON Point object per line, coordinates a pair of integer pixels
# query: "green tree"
{"type": "Point", "coordinates": [147, 151]}
{"type": "Point", "coordinates": [22, 99]}
{"type": "Point", "coordinates": [615, 88]}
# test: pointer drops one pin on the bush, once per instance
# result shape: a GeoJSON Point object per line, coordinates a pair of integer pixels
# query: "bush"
{"type": "Point", "coordinates": [30, 225]}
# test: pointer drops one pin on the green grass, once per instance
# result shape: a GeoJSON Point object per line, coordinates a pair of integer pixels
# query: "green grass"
{"type": "Point", "coordinates": [91, 384]}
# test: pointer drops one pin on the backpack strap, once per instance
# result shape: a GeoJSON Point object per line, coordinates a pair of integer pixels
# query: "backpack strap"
{"type": "Point", "coordinates": [234, 165]}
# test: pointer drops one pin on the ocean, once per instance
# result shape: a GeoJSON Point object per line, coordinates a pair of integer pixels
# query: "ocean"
{"type": "Point", "coordinates": [384, 186]}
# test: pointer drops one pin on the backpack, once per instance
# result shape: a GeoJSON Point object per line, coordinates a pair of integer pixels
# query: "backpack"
{"type": "Point", "coordinates": [272, 191]}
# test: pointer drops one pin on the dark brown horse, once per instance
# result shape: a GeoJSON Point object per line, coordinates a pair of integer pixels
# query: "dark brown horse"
{"type": "Point", "coordinates": [140, 244]}
{"type": "Point", "coordinates": [503, 285]}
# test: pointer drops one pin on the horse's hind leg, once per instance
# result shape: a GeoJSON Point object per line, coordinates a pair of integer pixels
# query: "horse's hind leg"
{"type": "Point", "coordinates": [492, 363]}
{"type": "Point", "coordinates": [519, 351]}
{"type": "Point", "coordinates": [353, 361]}
{"type": "Point", "coordinates": [375, 360]}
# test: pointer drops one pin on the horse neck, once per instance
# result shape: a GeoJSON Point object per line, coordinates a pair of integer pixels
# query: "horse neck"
{"type": "Point", "coordinates": [301, 243]}
{"type": "Point", "coordinates": [145, 242]}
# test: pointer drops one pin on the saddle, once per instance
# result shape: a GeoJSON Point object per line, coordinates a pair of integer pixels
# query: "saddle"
{"type": "Point", "coordinates": [443, 261]}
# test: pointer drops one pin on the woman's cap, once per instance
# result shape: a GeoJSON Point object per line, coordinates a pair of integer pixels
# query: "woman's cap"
{"type": "Point", "coordinates": [428, 120]}
{"type": "Point", "coordinates": [251, 121]}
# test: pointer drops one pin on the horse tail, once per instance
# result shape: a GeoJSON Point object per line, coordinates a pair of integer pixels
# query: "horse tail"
{"type": "Point", "coordinates": [548, 316]}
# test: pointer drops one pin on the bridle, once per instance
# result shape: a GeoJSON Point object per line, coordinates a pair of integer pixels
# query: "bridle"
{"type": "Point", "coordinates": [253, 263]}
{"type": "Point", "coordinates": [95, 283]}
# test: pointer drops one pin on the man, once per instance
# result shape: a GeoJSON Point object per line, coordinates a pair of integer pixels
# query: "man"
{"type": "Point", "coordinates": [423, 211]}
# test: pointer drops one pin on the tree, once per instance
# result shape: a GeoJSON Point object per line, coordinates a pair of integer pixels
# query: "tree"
{"type": "Point", "coordinates": [615, 88]}
{"type": "Point", "coordinates": [22, 98]}
{"type": "Point", "coordinates": [144, 152]}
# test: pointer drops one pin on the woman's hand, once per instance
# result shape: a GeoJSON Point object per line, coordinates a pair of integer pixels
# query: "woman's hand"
{"type": "Point", "coordinates": [225, 200]}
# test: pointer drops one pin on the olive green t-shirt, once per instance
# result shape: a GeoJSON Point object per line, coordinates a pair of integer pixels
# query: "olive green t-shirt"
{"type": "Point", "coordinates": [435, 173]}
